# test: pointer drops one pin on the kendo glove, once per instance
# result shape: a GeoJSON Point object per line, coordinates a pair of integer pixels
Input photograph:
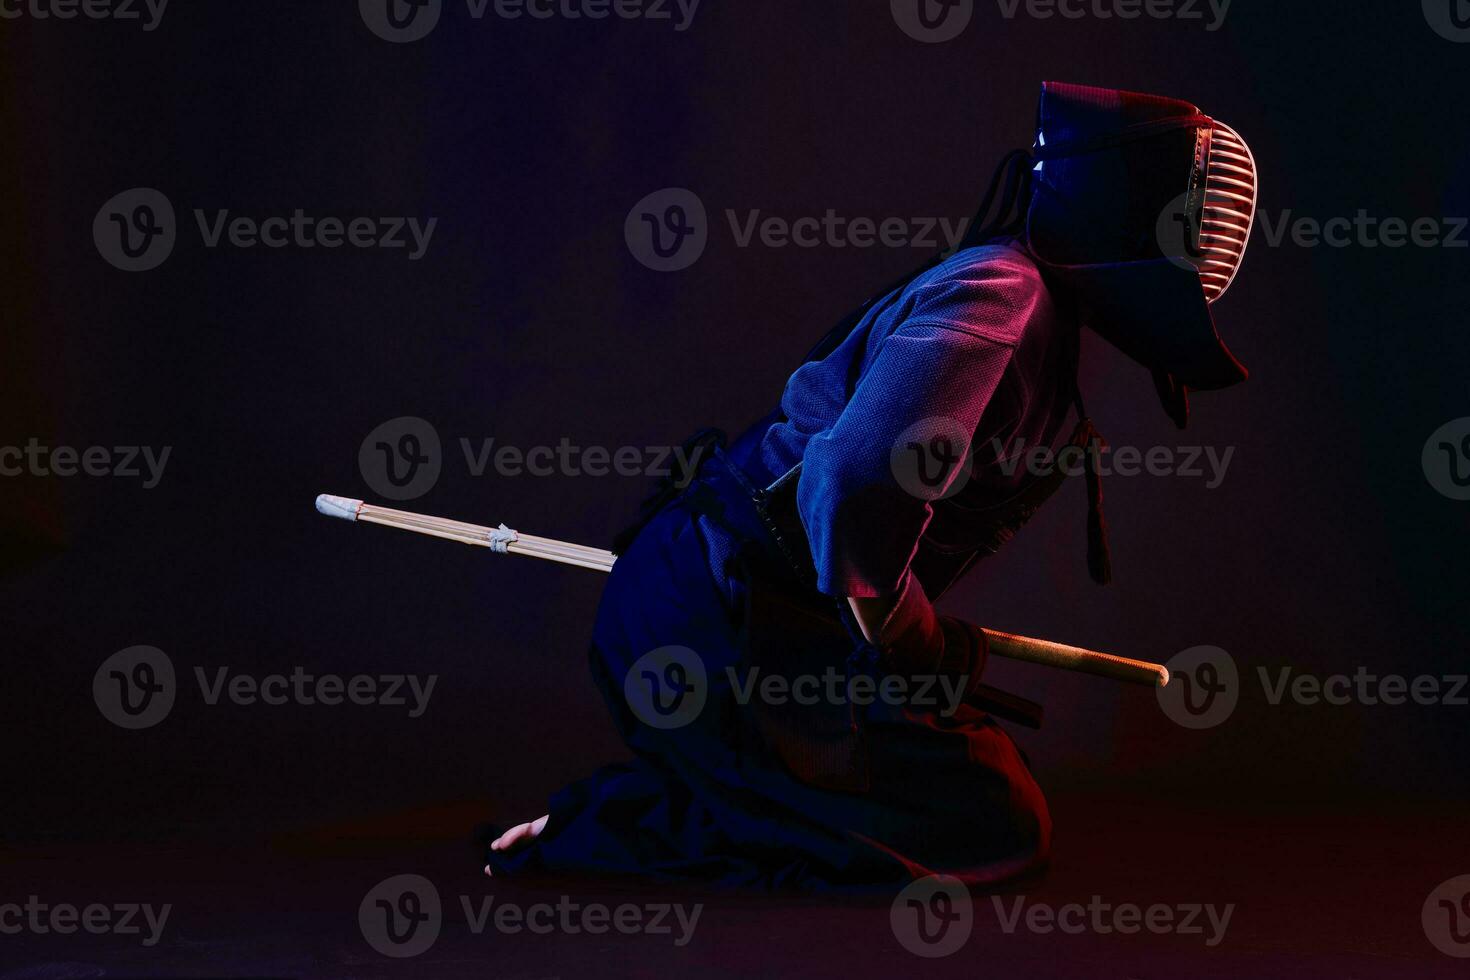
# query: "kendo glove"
{"type": "Point", "coordinates": [914, 641]}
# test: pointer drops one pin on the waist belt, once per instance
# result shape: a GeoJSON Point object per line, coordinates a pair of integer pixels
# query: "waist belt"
{"type": "Point", "coordinates": [959, 533]}
{"type": "Point", "coordinates": [767, 529]}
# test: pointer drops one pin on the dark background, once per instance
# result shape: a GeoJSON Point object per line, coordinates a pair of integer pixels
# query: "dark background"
{"type": "Point", "coordinates": [529, 321]}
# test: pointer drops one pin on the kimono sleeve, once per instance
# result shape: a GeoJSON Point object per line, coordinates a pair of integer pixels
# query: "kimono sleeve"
{"type": "Point", "coordinates": [936, 373]}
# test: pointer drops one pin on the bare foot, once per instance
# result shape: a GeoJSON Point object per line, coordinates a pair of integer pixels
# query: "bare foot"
{"type": "Point", "coordinates": [518, 836]}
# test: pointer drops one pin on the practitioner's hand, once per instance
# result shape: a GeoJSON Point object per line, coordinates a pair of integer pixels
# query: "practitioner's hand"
{"type": "Point", "coordinates": [518, 836]}
{"type": "Point", "coordinates": [966, 648]}
{"type": "Point", "coordinates": [871, 614]}
{"type": "Point", "coordinates": [903, 626]}
{"type": "Point", "coordinates": [913, 639]}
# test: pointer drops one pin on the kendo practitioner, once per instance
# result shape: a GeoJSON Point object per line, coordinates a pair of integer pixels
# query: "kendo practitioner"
{"type": "Point", "coordinates": [796, 549]}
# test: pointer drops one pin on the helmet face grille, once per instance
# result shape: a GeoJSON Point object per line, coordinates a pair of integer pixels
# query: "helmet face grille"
{"type": "Point", "coordinates": [1227, 210]}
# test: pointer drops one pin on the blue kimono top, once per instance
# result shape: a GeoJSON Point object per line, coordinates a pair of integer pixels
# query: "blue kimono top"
{"type": "Point", "coordinates": [975, 344]}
